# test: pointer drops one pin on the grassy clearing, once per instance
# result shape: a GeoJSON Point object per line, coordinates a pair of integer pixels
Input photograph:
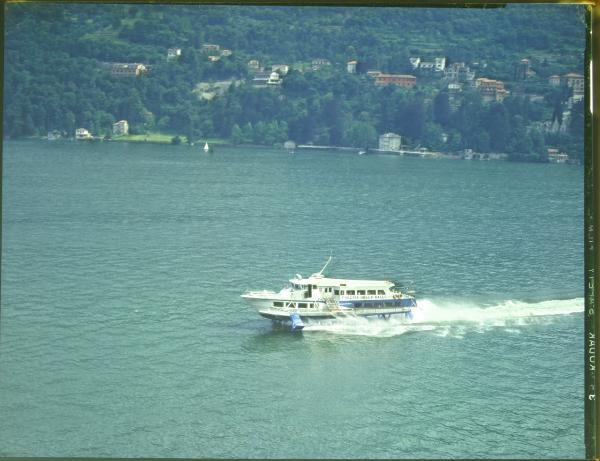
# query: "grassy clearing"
{"type": "Point", "coordinates": [163, 138]}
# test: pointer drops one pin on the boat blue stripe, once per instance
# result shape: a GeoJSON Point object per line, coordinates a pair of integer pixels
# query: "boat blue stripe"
{"type": "Point", "coordinates": [405, 302]}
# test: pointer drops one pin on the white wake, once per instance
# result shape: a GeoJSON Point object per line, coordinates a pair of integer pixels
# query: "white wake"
{"type": "Point", "coordinates": [454, 318]}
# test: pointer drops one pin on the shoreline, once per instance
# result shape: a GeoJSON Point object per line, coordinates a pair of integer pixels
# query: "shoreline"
{"type": "Point", "coordinates": [165, 139]}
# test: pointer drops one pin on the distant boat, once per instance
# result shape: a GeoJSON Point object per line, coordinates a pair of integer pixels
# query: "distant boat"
{"type": "Point", "coordinates": [206, 148]}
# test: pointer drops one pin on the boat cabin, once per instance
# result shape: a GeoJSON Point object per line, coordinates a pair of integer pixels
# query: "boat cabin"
{"type": "Point", "coordinates": [343, 289]}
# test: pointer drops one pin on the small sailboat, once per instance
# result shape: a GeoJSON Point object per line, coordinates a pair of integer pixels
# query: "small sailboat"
{"type": "Point", "coordinates": [206, 148]}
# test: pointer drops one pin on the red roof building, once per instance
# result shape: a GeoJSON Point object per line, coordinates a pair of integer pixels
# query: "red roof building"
{"type": "Point", "coordinates": [395, 79]}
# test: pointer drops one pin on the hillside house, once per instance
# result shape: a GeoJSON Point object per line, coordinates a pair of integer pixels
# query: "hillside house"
{"type": "Point", "coordinates": [274, 79]}
{"type": "Point", "coordinates": [523, 70]}
{"type": "Point", "coordinates": [396, 79]}
{"type": "Point", "coordinates": [127, 69]}
{"type": "Point", "coordinates": [491, 90]}
{"type": "Point", "coordinates": [351, 67]}
{"type": "Point", "coordinates": [459, 72]}
{"type": "Point", "coordinates": [260, 79]}
{"type": "Point", "coordinates": [414, 62]}
{"type": "Point", "coordinates": [210, 48]}
{"type": "Point", "coordinates": [433, 67]}
{"type": "Point", "coordinates": [213, 58]}
{"type": "Point", "coordinates": [319, 63]}
{"type": "Point", "coordinates": [390, 142]}
{"type": "Point", "coordinates": [266, 80]}
{"type": "Point", "coordinates": [282, 69]}
{"type": "Point", "coordinates": [554, 80]}
{"type": "Point", "coordinates": [173, 53]}
{"type": "Point", "coordinates": [120, 128]}
{"type": "Point", "coordinates": [226, 52]}
{"type": "Point", "coordinates": [440, 64]}
{"type": "Point", "coordinates": [253, 65]}
{"type": "Point", "coordinates": [454, 91]}
{"type": "Point", "coordinates": [574, 81]}
{"type": "Point", "coordinates": [426, 66]}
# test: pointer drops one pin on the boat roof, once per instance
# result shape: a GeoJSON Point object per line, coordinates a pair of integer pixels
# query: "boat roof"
{"type": "Point", "coordinates": [317, 279]}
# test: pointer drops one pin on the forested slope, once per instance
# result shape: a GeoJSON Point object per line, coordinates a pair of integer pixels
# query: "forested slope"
{"type": "Point", "coordinates": [54, 78]}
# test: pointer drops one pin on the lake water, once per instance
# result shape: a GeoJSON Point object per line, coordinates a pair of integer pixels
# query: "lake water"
{"type": "Point", "coordinates": [123, 332]}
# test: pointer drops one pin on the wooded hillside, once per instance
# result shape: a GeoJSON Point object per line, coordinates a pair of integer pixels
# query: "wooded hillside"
{"type": "Point", "coordinates": [58, 74]}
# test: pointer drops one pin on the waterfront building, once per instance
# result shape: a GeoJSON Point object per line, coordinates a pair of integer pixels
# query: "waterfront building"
{"type": "Point", "coordinates": [121, 128]}
{"type": "Point", "coordinates": [82, 133]}
{"type": "Point", "coordinates": [390, 141]}
{"type": "Point", "coordinates": [555, 157]}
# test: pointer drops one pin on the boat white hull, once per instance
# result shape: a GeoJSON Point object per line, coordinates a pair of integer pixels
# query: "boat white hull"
{"type": "Point", "coordinates": [314, 314]}
{"type": "Point", "coordinates": [321, 310]}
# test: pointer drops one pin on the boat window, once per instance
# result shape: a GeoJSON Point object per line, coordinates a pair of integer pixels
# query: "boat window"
{"type": "Point", "coordinates": [336, 292]}
{"type": "Point", "coordinates": [380, 292]}
{"type": "Point", "coordinates": [371, 292]}
{"type": "Point", "coordinates": [350, 292]}
{"type": "Point", "coordinates": [278, 304]}
{"type": "Point", "coordinates": [302, 305]}
{"type": "Point", "coordinates": [342, 292]}
{"type": "Point", "coordinates": [360, 292]}
{"type": "Point", "coordinates": [314, 287]}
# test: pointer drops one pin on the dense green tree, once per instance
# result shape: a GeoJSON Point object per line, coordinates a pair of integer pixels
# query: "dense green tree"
{"type": "Point", "coordinates": [441, 108]}
{"type": "Point", "coordinates": [361, 134]}
{"type": "Point", "coordinates": [499, 127]}
{"type": "Point", "coordinates": [237, 136]}
{"type": "Point", "coordinates": [54, 73]}
{"type": "Point", "coordinates": [414, 120]}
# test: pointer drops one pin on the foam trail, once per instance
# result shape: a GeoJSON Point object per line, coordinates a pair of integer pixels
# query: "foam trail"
{"type": "Point", "coordinates": [454, 318]}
